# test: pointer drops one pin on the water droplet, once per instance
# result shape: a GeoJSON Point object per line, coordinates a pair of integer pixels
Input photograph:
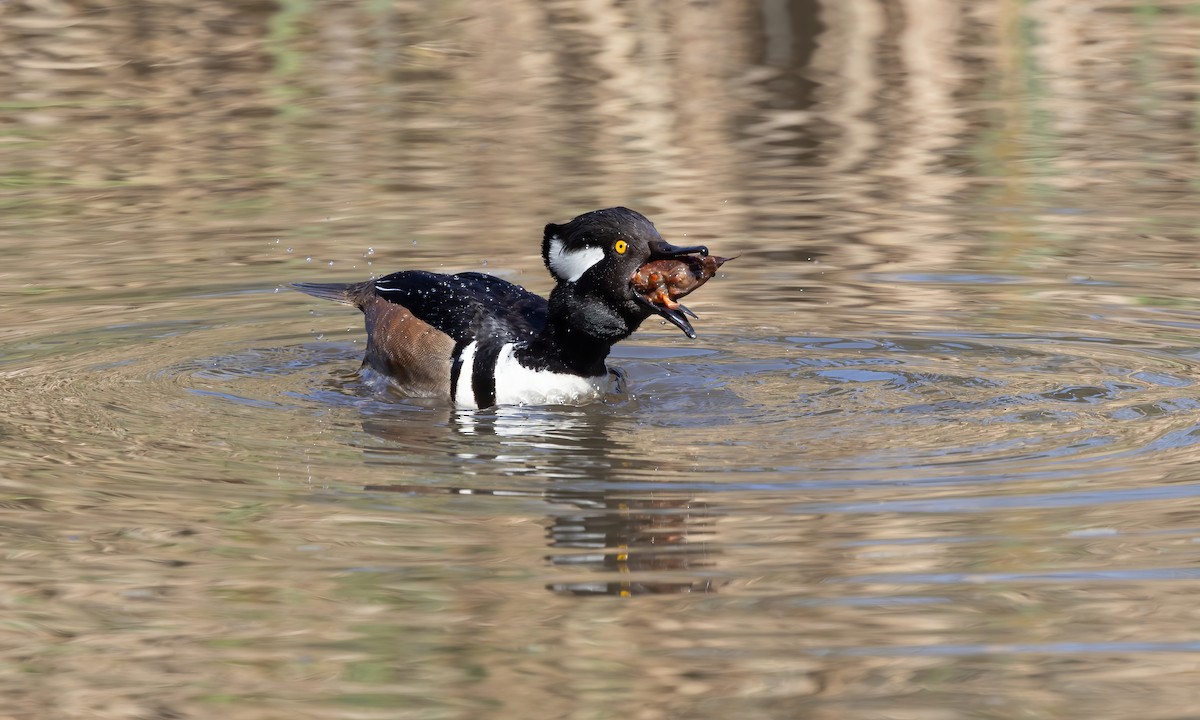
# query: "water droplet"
{"type": "Point", "coordinates": [276, 289]}
{"type": "Point", "coordinates": [370, 251]}
{"type": "Point", "coordinates": [290, 250]}
{"type": "Point", "coordinates": [276, 241]}
{"type": "Point", "coordinates": [330, 263]}
{"type": "Point", "coordinates": [414, 243]}
{"type": "Point", "coordinates": [483, 263]}
{"type": "Point", "coordinates": [308, 259]}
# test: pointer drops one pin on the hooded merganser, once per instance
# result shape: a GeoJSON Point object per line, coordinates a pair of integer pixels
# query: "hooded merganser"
{"type": "Point", "coordinates": [483, 341]}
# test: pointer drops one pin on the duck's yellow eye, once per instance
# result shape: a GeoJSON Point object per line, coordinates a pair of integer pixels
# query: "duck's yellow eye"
{"type": "Point", "coordinates": [621, 247]}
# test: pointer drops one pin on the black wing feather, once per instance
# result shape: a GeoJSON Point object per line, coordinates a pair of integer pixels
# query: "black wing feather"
{"type": "Point", "coordinates": [467, 304]}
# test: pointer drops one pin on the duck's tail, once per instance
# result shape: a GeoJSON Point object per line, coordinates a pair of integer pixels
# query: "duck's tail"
{"type": "Point", "coordinates": [337, 292]}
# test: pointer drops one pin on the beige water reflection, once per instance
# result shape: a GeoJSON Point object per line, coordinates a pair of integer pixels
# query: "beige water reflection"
{"type": "Point", "coordinates": [932, 456]}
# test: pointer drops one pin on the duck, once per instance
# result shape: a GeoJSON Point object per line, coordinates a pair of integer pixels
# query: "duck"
{"type": "Point", "coordinates": [478, 341]}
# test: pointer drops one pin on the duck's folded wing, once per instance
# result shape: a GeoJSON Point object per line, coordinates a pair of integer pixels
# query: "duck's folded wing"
{"type": "Point", "coordinates": [466, 304]}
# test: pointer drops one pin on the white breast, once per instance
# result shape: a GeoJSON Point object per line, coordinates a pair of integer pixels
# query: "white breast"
{"type": "Point", "coordinates": [518, 385]}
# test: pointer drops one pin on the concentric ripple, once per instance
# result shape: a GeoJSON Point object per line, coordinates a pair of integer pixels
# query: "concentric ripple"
{"type": "Point", "coordinates": [912, 409]}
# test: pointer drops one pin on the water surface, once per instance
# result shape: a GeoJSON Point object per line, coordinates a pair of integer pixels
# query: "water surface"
{"type": "Point", "coordinates": [933, 454]}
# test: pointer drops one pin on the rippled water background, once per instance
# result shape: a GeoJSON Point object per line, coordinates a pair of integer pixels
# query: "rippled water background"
{"type": "Point", "coordinates": [934, 454]}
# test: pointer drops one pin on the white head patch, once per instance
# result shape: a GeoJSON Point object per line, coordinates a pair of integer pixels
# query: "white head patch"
{"type": "Point", "coordinates": [570, 265]}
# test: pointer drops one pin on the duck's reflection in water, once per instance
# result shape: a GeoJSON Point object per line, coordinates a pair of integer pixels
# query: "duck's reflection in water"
{"type": "Point", "coordinates": [611, 527]}
{"type": "Point", "coordinates": [646, 542]}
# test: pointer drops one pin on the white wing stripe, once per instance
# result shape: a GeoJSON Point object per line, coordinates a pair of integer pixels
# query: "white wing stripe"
{"type": "Point", "coordinates": [464, 393]}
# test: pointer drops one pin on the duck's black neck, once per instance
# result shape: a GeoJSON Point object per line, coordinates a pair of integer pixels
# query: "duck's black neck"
{"type": "Point", "coordinates": [579, 333]}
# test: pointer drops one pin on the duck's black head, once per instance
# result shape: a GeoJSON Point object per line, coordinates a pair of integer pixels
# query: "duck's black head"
{"type": "Point", "coordinates": [593, 259]}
